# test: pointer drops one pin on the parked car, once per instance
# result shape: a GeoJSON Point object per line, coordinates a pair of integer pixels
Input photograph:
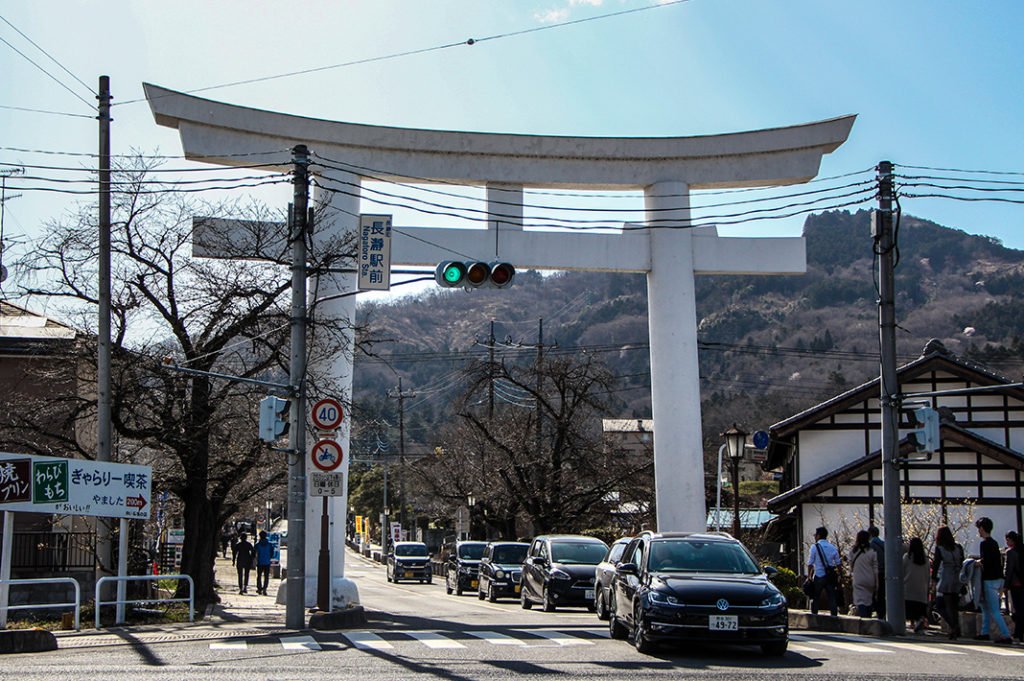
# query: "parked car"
{"type": "Point", "coordinates": [603, 574]}
{"type": "Point", "coordinates": [695, 587]}
{"type": "Point", "coordinates": [461, 563]}
{"type": "Point", "coordinates": [409, 560]}
{"type": "Point", "coordinates": [559, 571]}
{"type": "Point", "coordinates": [500, 570]}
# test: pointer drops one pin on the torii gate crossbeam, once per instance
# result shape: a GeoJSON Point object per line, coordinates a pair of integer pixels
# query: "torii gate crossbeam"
{"type": "Point", "coordinates": [665, 169]}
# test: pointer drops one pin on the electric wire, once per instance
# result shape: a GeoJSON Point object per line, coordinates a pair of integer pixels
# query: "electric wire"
{"type": "Point", "coordinates": [142, 156]}
{"type": "Point", "coordinates": [46, 111]}
{"type": "Point", "coordinates": [52, 58]}
{"type": "Point", "coordinates": [53, 77]}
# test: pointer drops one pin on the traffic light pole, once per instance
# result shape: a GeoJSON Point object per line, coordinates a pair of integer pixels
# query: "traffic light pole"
{"type": "Point", "coordinates": [885, 248]}
{"type": "Point", "coordinates": [296, 585]}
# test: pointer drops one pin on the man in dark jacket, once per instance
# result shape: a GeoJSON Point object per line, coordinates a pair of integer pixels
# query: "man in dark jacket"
{"type": "Point", "coordinates": [991, 585]}
{"type": "Point", "coordinates": [244, 554]}
{"type": "Point", "coordinates": [264, 552]}
{"type": "Point", "coordinates": [879, 546]}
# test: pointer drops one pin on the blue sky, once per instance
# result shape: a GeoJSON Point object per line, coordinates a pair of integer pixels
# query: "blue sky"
{"type": "Point", "coordinates": [933, 83]}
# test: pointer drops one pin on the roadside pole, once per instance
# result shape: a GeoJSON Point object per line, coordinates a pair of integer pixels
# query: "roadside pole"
{"type": "Point", "coordinates": [885, 247]}
{"type": "Point", "coordinates": [104, 445]}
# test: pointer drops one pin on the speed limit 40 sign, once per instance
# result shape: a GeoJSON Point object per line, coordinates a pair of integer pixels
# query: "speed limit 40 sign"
{"type": "Point", "coordinates": [327, 414]}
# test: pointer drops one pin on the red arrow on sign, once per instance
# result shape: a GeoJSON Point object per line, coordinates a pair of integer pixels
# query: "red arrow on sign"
{"type": "Point", "coordinates": [135, 502]}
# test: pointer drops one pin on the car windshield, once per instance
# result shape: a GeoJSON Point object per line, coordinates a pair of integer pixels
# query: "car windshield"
{"type": "Point", "coordinates": [686, 555]}
{"type": "Point", "coordinates": [411, 550]}
{"type": "Point", "coordinates": [577, 552]}
{"type": "Point", "coordinates": [509, 555]}
{"type": "Point", "coordinates": [472, 551]}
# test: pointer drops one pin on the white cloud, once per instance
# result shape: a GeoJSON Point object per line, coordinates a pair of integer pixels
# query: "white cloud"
{"type": "Point", "coordinates": [595, 3]}
{"type": "Point", "coordinates": [551, 16]}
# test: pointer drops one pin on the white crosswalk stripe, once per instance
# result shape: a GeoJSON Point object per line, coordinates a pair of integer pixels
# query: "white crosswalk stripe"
{"type": "Point", "coordinates": [238, 644]}
{"type": "Point", "coordinates": [432, 639]}
{"type": "Point", "coordinates": [852, 647]}
{"type": "Point", "coordinates": [559, 637]}
{"type": "Point", "coordinates": [364, 639]}
{"type": "Point", "coordinates": [994, 650]}
{"type": "Point", "coordinates": [300, 643]}
{"type": "Point", "coordinates": [922, 648]}
{"type": "Point", "coordinates": [497, 639]}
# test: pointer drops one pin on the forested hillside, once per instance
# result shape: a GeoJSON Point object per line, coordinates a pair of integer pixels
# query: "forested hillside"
{"type": "Point", "coordinates": [770, 345]}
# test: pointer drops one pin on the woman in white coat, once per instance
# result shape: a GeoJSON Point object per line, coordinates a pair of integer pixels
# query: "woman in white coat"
{"type": "Point", "coordinates": [864, 573]}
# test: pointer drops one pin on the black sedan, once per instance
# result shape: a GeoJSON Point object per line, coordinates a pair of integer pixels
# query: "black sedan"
{"type": "Point", "coordinates": [559, 570]}
{"type": "Point", "coordinates": [695, 587]}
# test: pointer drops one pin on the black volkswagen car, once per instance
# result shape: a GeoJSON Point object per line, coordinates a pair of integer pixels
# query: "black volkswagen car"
{"type": "Point", "coordinates": [604, 573]}
{"type": "Point", "coordinates": [559, 570]}
{"type": "Point", "coordinates": [695, 587]}
{"type": "Point", "coordinates": [500, 570]}
{"type": "Point", "coordinates": [461, 562]}
{"type": "Point", "coordinates": [409, 560]}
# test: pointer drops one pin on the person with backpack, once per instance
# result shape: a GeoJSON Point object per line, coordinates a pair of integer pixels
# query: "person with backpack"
{"type": "Point", "coordinates": [823, 563]}
{"type": "Point", "coordinates": [244, 554]}
{"type": "Point", "coordinates": [864, 573]}
{"type": "Point", "coordinates": [946, 565]}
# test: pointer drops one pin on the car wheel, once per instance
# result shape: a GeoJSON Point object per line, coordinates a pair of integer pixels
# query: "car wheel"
{"type": "Point", "coordinates": [492, 596]}
{"type": "Point", "coordinates": [458, 588]}
{"type": "Point", "coordinates": [616, 629]}
{"type": "Point", "coordinates": [480, 593]}
{"type": "Point", "coordinates": [447, 585]}
{"type": "Point", "coordinates": [600, 606]}
{"type": "Point", "coordinates": [430, 579]}
{"type": "Point", "coordinates": [548, 605]}
{"type": "Point", "coordinates": [387, 573]}
{"type": "Point", "coordinates": [641, 641]}
{"type": "Point", "coordinates": [524, 601]}
{"type": "Point", "coordinates": [775, 648]}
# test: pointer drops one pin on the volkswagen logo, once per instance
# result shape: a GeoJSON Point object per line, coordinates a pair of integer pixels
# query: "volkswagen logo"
{"type": "Point", "coordinates": [722, 604]}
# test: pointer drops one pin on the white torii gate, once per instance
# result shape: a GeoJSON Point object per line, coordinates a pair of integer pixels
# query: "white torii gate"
{"type": "Point", "coordinates": [665, 169]}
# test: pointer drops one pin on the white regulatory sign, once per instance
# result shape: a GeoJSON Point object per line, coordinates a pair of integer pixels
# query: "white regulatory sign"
{"type": "Point", "coordinates": [325, 484]}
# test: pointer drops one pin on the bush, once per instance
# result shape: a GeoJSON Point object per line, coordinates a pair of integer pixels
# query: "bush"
{"type": "Point", "coordinates": [786, 581]}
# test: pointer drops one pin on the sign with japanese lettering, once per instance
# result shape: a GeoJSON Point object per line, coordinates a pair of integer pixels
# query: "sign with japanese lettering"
{"type": "Point", "coordinates": [325, 484]}
{"type": "Point", "coordinates": [75, 486]}
{"type": "Point", "coordinates": [15, 481]}
{"type": "Point", "coordinates": [374, 252]}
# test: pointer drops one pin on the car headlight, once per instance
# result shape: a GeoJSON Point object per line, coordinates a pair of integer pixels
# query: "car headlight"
{"type": "Point", "coordinates": [662, 599]}
{"type": "Point", "coordinates": [499, 574]}
{"type": "Point", "coordinates": [558, 574]}
{"type": "Point", "coordinates": [773, 600]}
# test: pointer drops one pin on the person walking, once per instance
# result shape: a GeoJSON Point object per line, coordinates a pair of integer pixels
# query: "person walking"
{"type": "Point", "coordinates": [243, 561]}
{"type": "Point", "coordinates": [864, 573]}
{"type": "Point", "coordinates": [1013, 578]}
{"type": "Point", "coordinates": [946, 565]}
{"type": "Point", "coordinates": [823, 563]}
{"type": "Point", "coordinates": [264, 552]}
{"type": "Point", "coordinates": [916, 580]}
{"type": "Point", "coordinates": [879, 546]}
{"type": "Point", "coordinates": [991, 584]}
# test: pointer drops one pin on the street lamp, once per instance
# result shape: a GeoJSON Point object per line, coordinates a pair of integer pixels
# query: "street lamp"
{"type": "Point", "coordinates": [470, 503]}
{"type": "Point", "coordinates": [734, 441]}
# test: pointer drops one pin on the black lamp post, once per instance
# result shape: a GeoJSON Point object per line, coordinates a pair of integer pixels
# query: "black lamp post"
{"type": "Point", "coordinates": [734, 440]}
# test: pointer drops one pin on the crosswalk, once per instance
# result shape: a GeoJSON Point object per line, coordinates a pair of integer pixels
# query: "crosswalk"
{"type": "Point", "coordinates": [801, 643]}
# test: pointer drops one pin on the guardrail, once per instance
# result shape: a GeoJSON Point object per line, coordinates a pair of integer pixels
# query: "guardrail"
{"type": "Point", "coordinates": [146, 578]}
{"type": "Point", "coordinates": [46, 580]}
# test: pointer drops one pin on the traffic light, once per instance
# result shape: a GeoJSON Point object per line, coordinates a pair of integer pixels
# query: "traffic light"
{"type": "Point", "coordinates": [926, 434]}
{"type": "Point", "coordinates": [454, 274]}
{"type": "Point", "coordinates": [273, 418]}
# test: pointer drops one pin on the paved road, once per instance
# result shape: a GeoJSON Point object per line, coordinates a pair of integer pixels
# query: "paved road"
{"type": "Point", "coordinates": [418, 631]}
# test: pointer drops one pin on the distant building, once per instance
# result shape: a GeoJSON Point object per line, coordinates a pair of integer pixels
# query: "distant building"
{"type": "Point", "coordinates": [830, 458]}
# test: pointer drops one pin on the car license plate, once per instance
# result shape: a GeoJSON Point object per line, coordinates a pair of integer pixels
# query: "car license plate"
{"type": "Point", "coordinates": [723, 623]}
{"type": "Point", "coordinates": [474, 583]}
{"type": "Point", "coordinates": [589, 594]}
{"type": "Point", "coordinates": [410, 575]}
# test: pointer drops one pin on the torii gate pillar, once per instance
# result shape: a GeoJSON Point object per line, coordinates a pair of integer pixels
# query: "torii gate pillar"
{"type": "Point", "coordinates": [665, 169]}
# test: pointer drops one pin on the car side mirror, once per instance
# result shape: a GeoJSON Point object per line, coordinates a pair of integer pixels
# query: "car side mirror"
{"type": "Point", "coordinates": [770, 571]}
{"type": "Point", "coordinates": [627, 569]}
{"type": "Point", "coordinates": [538, 560]}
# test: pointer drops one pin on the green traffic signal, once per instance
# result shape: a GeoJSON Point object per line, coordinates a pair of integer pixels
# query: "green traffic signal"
{"type": "Point", "coordinates": [453, 274]}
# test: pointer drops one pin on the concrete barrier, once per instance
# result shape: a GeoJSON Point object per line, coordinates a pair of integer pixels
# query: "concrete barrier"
{"type": "Point", "coordinates": [26, 641]}
{"type": "Point", "coordinates": [338, 619]}
{"type": "Point", "coordinates": [803, 619]}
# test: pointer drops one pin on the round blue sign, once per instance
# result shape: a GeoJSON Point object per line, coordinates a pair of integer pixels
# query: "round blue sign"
{"type": "Point", "coordinates": [761, 439]}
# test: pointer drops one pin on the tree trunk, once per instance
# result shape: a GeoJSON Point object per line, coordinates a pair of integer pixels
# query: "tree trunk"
{"type": "Point", "coordinates": [197, 553]}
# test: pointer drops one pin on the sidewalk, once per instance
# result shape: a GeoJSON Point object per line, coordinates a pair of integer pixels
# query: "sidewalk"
{"type": "Point", "coordinates": [237, 614]}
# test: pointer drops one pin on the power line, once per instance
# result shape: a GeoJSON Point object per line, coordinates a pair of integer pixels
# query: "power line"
{"type": "Point", "coordinates": [52, 58]}
{"type": "Point", "coordinates": [45, 111]}
{"type": "Point", "coordinates": [55, 79]}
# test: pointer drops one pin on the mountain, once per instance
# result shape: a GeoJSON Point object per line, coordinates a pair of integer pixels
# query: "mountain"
{"type": "Point", "coordinates": [770, 345]}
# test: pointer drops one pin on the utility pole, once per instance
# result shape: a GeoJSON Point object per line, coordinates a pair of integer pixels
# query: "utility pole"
{"type": "Point", "coordinates": [401, 395]}
{"type": "Point", "coordinates": [4, 174]}
{"type": "Point", "coordinates": [490, 383]}
{"type": "Point", "coordinates": [104, 445]}
{"type": "Point", "coordinates": [540, 378]}
{"type": "Point", "coordinates": [296, 584]}
{"type": "Point", "coordinates": [885, 247]}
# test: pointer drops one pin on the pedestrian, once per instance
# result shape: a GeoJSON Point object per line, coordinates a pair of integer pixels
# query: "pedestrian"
{"type": "Point", "coordinates": [946, 565]}
{"type": "Point", "coordinates": [991, 584]}
{"type": "Point", "coordinates": [864, 573]}
{"type": "Point", "coordinates": [879, 546]}
{"type": "Point", "coordinates": [916, 580]}
{"type": "Point", "coordinates": [823, 562]}
{"type": "Point", "coordinates": [1013, 578]}
{"type": "Point", "coordinates": [264, 552]}
{"type": "Point", "coordinates": [225, 541]}
{"type": "Point", "coordinates": [234, 545]}
{"type": "Point", "coordinates": [243, 561]}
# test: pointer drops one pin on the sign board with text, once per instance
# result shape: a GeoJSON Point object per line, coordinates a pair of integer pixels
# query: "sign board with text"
{"type": "Point", "coordinates": [374, 252]}
{"type": "Point", "coordinates": [44, 484]}
{"type": "Point", "coordinates": [326, 484]}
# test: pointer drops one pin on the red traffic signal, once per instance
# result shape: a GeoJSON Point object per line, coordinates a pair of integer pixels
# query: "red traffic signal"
{"type": "Point", "coordinates": [453, 274]}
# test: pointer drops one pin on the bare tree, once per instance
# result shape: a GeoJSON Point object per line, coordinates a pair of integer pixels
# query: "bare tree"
{"type": "Point", "coordinates": [225, 316]}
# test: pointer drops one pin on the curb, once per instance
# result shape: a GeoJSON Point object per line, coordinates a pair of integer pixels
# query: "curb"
{"type": "Point", "coordinates": [338, 619]}
{"type": "Point", "coordinates": [26, 641]}
{"type": "Point", "coordinates": [801, 619]}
